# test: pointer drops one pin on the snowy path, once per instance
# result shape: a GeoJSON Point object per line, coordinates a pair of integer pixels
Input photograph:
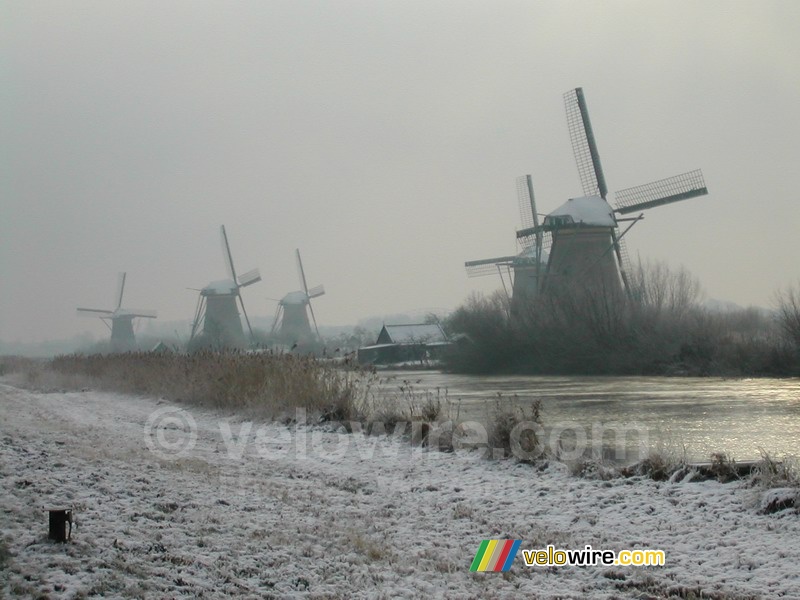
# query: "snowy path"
{"type": "Point", "coordinates": [310, 514]}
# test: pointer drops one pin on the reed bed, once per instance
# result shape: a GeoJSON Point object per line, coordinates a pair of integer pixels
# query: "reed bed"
{"type": "Point", "coordinates": [267, 384]}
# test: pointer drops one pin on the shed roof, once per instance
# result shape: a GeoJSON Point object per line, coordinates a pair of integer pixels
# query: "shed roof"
{"type": "Point", "coordinates": [414, 333]}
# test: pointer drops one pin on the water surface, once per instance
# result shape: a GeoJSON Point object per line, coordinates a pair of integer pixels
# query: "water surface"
{"type": "Point", "coordinates": [698, 416]}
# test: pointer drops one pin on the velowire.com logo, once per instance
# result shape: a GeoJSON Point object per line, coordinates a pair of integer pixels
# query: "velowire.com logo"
{"type": "Point", "coordinates": [495, 555]}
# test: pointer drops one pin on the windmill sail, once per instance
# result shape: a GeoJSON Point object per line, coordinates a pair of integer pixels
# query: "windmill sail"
{"type": "Point", "coordinates": [487, 266]}
{"type": "Point", "coordinates": [94, 312]}
{"type": "Point", "coordinates": [664, 191]}
{"type": "Point", "coordinates": [316, 291]}
{"type": "Point", "coordinates": [120, 289]}
{"type": "Point", "coordinates": [226, 254]}
{"type": "Point", "coordinates": [527, 205]}
{"type": "Point", "coordinates": [249, 278]}
{"type": "Point", "coordinates": [144, 313]}
{"type": "Point", "coordinates": [305, 289]}
{"type": "Point", "coordinates": [584, 146]}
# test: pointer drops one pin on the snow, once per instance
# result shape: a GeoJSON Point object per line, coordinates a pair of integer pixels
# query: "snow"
{"type": "Point", "coordinates": [415, 333]}
{"type": "Point", "coordinates": [135, 312]}
{"type": "Point", "coordinates": [529, 253]}
{"type": "Point", "coordinates": [589, 210]}
{"type": "Point", "coordinates": [223, 506]}
{"type": "Point", "coordinates": [223, 286]}
{"type": "Point", "coordinates": [780, 498]}
{"type": "Point", "coordinates": [295, 298]}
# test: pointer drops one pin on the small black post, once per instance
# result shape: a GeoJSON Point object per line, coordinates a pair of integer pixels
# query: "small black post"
{"type": "Point", "coordinates": [59, 520]}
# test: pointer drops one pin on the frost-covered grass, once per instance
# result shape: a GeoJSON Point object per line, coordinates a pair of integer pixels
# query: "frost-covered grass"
{"type": "Point", "coordinates": [265, 510]}
{"type": "Point", "coordinates": [765, 474]}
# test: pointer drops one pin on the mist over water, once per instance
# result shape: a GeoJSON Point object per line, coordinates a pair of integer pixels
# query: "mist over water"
{"type": "Point", "coordinates": [739, 417]}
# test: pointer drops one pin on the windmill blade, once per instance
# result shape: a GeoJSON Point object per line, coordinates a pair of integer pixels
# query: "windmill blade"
{"type": "Point", "coordinates": [120, 289]}
{"type": "Point", "coordinates": [658, 193]}
{"type": "Point", "coordinates": [246, 318]}
{"type": "Point", "coordinates": [199, 315]}
{"type": "Point", "coordinates": [316, 291]}
{"type": "Point", "coordinates": [300, 271]}
{"type": "Point", "coordinates": [584, 146]}
{"type": "Point", "coordinates": [313, 317]}
{"type": "Point", "coordinates": [306, 290]}
{"type": "Point", "coordinates": [95, 312]}
{"type": "Point", "coordinates": [277, 318]}
{"type": "Point", "coordinates": [226, 254]}
{"type": "Point", "coordinates": [621, 249]}
{"type": "Point", "coordinates": [530, 218]}
{"type": "Point", "coordinates": [249, 278]}
{"type": "Point", "coordinates": [145, 313]}
{"type": "Point", "coordinates": [487, 266]}
{"type": "Point", "coordinates": [527, 203]}
{"type": "Point", "coordinates": [485, 270]}
{"type": "Point", "coordinates": [527, 237]}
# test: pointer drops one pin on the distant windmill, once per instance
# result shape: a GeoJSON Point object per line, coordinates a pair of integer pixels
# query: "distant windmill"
{"type": "Point", "coordinates": [580, 241]}
{"type": "Point", "coordinates": [291, 318]}
{"type": "Point", "coordinates": [217, 314]}
{"type": "Point", "coordinates": [122, 337]}
{"type": "Point", "coordinates": [526, 269]}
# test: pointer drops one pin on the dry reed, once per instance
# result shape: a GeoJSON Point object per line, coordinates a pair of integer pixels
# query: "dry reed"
{"type": "Point", "coordinates": [265, 383]}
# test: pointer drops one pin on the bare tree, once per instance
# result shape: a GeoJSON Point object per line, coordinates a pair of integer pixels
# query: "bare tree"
{"type": "Point", "coordinates": [660, 289]}
{"type": "Point", "coordinates": [788, 302]}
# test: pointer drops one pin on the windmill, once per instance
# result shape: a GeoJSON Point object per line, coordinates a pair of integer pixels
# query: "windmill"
{"type": "Point", "coordinates": [524, 271]}
{"type": "Point", "coordinates": [291, 318]}
{"type": "Point", "coordinates": [122, 337]}
{"type": "Point", "coordinates": [580, 242]}
{"type": "Point", "coordinates": [217, 313]}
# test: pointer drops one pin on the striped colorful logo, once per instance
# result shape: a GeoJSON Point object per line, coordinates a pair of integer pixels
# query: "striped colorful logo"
{"type": "Point", "coordinates": [495, 555]}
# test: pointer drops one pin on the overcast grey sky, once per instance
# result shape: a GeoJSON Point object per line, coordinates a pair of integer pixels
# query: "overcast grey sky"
{"type": "Point", "coordinates": [382, 138]}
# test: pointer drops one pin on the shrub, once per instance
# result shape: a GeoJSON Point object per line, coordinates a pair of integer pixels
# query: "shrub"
{"type": "Point", "coordinates": [657, 328]}
{"type": "Point", "coordinates": [512, 430]}
{"type": "Point", "coordinates": [769, 473]}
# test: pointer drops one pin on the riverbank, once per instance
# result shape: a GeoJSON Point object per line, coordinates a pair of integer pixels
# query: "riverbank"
{"type": "Point", "coordinates": [689, 418]}
{"type": "Point", "coordinates": [176, 501]}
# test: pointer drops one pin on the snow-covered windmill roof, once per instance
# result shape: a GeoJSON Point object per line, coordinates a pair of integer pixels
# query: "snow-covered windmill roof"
{"type": "Point", "coordinates": [528, 255]}
{"type": "Point", "coordinates": [134, 312]}
{"type": "Point", "coordinates": [589, 210]}
{"type": "Point", "coordinates": [221, 287]}
{"type": "Point", "coordinates": [295, 298]}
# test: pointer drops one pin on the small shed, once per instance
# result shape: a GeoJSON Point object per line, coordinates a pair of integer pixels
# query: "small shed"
{"type": "Point", "coordinates": [412, 343]}
{"type": "Point", "coordinates": [160, 348]}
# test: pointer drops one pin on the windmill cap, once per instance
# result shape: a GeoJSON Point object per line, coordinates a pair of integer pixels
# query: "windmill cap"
{"type": "Point", "coordinates": [221, 287]}
{"type": "Point", "coordinates": [295, 298]}
{"type": "Point", "coordinates": [589, 210]}
{"type": "Point", "coordinates": [528, 255]}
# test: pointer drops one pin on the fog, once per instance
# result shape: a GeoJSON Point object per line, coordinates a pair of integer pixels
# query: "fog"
{"type": "Point", "coordinates": [383, 139]}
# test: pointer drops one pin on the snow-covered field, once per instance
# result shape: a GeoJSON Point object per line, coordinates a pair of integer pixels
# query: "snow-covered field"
{"type": "Point", "coordinates": [173, 504]}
